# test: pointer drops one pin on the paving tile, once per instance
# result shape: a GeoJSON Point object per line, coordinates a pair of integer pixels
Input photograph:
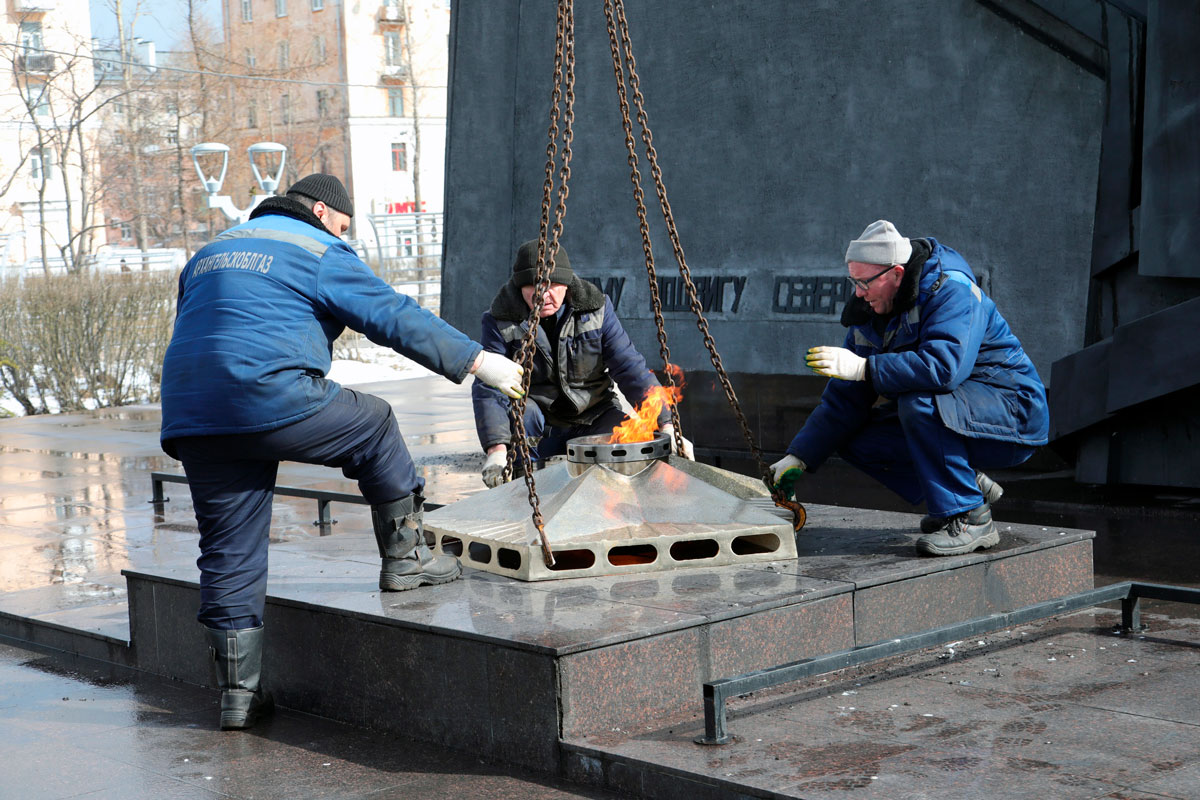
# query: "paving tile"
{"type": "Point", "coordinates": [1173, 779]}
{"type": "Point", "coordinates": [48, 599]}
{"type": "Point", "coordinates": [953, 772]}
{"type": "Point", "coordinates": [58, 770]}
{"type": "Point", "coordinates": [110, 620]}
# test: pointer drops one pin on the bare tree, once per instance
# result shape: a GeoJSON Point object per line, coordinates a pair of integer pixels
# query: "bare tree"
{"type": "Point", "coordinates": [60, 104]}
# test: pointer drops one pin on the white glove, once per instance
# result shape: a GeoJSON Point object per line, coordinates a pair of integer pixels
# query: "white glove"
{"type": "Point", "coordinates": [689, 452]}
{"type": "Point", "coordinates": [836, 362]}
{"type": "Point", "coordinates": [493, 467]}
{"type": "Point", "coordinates": [784, 464]}
{"type": "Point", "coordinates": [500, 372]}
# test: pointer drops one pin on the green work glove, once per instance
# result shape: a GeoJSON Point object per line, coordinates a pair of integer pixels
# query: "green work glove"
{"type": "Point", "coordinates": [785, 472]}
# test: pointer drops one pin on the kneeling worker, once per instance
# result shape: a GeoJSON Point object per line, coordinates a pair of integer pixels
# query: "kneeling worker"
{"type": "Point", "coordinates": [244, 387]}
{"type": "Point", "coordinates": [582, 350]}
{"type": "Point", "coordinates": [962, 395]}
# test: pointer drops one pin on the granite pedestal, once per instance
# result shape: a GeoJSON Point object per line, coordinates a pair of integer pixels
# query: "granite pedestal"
{"type": "Point", "coordinates": [510, 669]}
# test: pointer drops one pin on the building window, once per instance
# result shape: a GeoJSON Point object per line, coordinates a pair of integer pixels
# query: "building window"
{"type": "Point", "coordinates": [399, 157]}
{"type": "Point", "coordinates": [126, 230]}
{"type": "Point", "coordinates": [284, 55]}
{"type": "Point", "coordinates": [247, 11]}
{"type": "Point", "coordinates": [251, 59]}
{"type": "Point", "coordinates": [252, 114]}
{"type": "Point", "coordinates": [31, 37]}
{"type": "Point", "coordinates": [395, 102]}
{"type": "Point", "coordinates": [35, 98]}
{"type": "Point", "coordinates": [41, 163]}
{"type": "Point", "coordinates": [322, 103]}
{"type": "Point", "coordinates": [172, 136]}
{"type": "Point", "coordinates": [281, 8]}
{"type": "Point", "coordinates": [318, 5]}
{"type": "Point", "coordinates": [393, 52]}
{"type": "Point", "coordinates": [319, 48]}
{"type": "Point", "coordinates": [285, 109]}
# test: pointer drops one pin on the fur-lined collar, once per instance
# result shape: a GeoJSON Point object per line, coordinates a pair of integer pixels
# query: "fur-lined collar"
{"type": "Point", "coordinates": [287, 207]}
{"type": "Point", "coordinates": [857, 312]}
{"type": "Point", "coordinates": [581, 296]}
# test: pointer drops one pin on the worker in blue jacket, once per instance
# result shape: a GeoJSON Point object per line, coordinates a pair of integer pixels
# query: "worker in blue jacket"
{"type": "Point", "coordinates": [961, 394]}
{"type": "Point", "coordinates": [582, 354]}
{"type": "Point", "coordinates": [244, 387]}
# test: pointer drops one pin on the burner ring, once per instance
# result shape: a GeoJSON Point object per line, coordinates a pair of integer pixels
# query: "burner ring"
{"type": "Point", "coordinates": [597, 450]}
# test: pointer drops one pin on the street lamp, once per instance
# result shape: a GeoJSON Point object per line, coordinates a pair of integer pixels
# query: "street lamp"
{"type": "Point", "coordinates": [209, 151]}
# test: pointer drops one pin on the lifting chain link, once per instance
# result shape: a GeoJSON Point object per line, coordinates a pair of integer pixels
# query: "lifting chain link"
{"type": "Point", "coordinates": [548, 235]}
{"type": "Point", "coordinates": [614, 11]}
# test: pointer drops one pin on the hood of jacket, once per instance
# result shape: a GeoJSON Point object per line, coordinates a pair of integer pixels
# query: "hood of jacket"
{"type": "Point", "coordinates": [509, 305]}
{"type": "Point", "coordinates": [284, 206]}
{"type": "Point", "coordinates": [858, 312]}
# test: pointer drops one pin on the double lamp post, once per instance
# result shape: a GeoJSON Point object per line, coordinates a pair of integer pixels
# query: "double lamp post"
{"type": "Point", "coordinates": [269, 182]}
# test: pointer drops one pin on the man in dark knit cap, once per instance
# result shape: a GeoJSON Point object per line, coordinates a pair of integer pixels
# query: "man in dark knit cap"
{"type": "Point", "coordinates": [244, 387]}
{"type": "Point", "coordinates": [582, 354]}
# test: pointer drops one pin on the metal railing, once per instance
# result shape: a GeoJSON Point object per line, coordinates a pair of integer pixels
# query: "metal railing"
{"type": "Point", "coordinates": [322, 496]}
{"type": "Point", "coordinates": [1129, 593]}
{"type": "Point", "coordinates": [408, 252]}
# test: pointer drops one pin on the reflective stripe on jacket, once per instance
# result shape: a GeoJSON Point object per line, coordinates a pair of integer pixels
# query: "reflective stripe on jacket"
{"type": "Point", "coordinates": [257, 314]}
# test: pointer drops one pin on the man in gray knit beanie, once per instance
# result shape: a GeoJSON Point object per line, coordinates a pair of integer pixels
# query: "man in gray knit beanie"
{"type": "Point", "coordinates": [960, 394]}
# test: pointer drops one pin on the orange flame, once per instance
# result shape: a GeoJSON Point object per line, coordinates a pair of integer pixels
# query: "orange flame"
{"type": "Point", "coordinates": [643, 422]}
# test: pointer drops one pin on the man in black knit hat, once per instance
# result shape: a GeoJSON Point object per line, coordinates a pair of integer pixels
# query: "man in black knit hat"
{"type": "Point", "coordinates": [583, 353]}
{"type": "Point", "coordinates": [244, 387]}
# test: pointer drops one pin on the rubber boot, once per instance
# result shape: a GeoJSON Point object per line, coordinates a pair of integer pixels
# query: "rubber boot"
{"type": "Point", "coordinates": [992, 492]}
{"type": "Point", "coordinates": [407, 560]}
{"type": "Point", "coordinates": [238, 656]}
{"type": "Point", "coordinates": [966, 533]}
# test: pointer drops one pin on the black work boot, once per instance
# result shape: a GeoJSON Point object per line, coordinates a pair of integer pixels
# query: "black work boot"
{"type": "Point", "coordinates": [407, 560]}
{"type": "Point", "coordinates": [991, 493]}
{"type": "Point", "coordinates": [238, 655]}
{"type": "Point", "coordinates": [965, 533]}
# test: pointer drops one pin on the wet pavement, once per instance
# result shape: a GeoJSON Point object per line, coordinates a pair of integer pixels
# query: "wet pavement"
{"type": "Point", "coordinates": [85, 730]}
{"type": "Point", "coordinates": [74, 512]}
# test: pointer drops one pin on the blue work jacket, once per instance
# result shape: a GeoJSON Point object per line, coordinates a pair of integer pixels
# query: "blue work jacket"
{"type": "Point", "coordinates": [952, 343]}
{"type": "Point", "coordinates": [573, 385]}
{"type": "Point", "coordinates": [258, 311]}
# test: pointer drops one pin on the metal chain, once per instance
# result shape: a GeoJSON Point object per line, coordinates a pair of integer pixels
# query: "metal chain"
{"type": "Point", "coordinates": [622, 25]}
{"type": "Point", "coordinates": [639, 197]}
{"type": "Point", "coordinates": [548, 236]}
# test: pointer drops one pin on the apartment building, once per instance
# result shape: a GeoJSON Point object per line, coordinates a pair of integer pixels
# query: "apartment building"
{"type": "Point", "coordinates": [48, 178]}
{"type": "Point", "coordinates": [354, 89]}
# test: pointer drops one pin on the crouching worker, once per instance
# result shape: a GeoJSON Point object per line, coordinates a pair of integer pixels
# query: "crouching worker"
{"type": "Point", "coordinates": [244, 387]}
{"type": "Point", "coordinates": [961, 394]}
{"type": "Point", "coordinates": [582, 351]}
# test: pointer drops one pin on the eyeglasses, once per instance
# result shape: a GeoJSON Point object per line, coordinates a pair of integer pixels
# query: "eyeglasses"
{"type": "Point", "coordinates": [859, 283]}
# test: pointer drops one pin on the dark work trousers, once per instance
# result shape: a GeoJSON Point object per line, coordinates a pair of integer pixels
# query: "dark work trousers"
{"type": "Point", "coordinates": [232, 478]}
{"type": "Point", "coordinates": [554, 439]}
{"type": "Point", "coordinates": [908, 449]}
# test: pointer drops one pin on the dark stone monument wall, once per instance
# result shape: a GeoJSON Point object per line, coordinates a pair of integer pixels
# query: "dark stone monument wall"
{"type": "Point", "coordinates": [783, 128]}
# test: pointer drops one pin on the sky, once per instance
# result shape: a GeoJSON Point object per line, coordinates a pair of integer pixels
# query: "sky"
{"type": "Point", "coordinates": [162, 21]}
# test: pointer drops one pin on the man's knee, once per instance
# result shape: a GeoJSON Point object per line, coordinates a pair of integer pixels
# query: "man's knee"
{"type": "Point", "coordinates": [917, 408]}
{"type": "Point", "coordinates": [377, 408]}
